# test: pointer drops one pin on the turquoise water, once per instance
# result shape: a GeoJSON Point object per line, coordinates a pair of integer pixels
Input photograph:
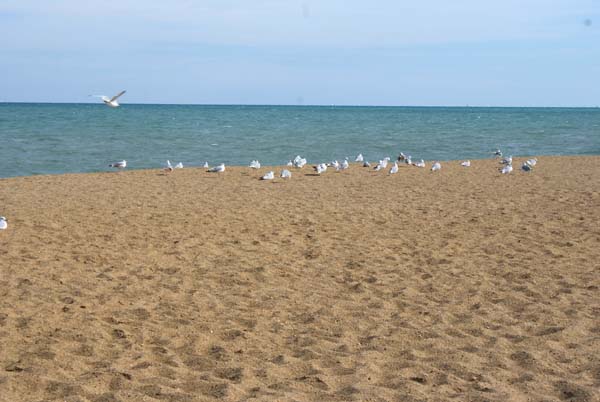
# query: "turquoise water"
{"type": "Point", "coordinates": [67, 138]}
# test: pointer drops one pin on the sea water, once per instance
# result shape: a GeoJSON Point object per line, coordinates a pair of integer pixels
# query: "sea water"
{"type": "Point", "coordinates": [69, 138]}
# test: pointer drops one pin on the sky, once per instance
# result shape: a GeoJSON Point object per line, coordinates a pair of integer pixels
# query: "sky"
{"type": "Point", "coordinates": [341, 52]}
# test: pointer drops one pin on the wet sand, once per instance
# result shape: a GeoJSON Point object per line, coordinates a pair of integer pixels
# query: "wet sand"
{"type": "Point", "coordinates": [462, 284]}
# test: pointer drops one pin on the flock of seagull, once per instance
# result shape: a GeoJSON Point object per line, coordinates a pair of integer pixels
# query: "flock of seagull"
{"type": "Point", "coordinates": [299, 162]}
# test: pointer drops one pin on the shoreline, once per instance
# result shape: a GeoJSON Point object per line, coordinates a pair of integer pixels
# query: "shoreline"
{"type": "Point", "coordinates": [308, 167]}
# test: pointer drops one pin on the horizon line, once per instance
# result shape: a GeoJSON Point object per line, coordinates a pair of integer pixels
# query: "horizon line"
{"type": "Point", "coordinates": [306, 105]}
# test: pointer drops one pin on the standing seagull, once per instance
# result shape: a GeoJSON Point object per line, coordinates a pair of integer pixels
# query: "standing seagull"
{"type": "Point", "coordinates": [119, 165]}
{"type": "Point", "coordinates": [531, 162]}
{"type": "Point", "coordinates": [436, 166]}
{"type": "Point", "coordinates": [269, 176]}
{"type": "Point", "coordinates": [359, 158]}
{"type": "Point", "coordinates": [506, 169]}
{"type": "Point", "coordinates": [394, 168]}
{"type": "Point", "coordinates": [112, 102]}
{"type": "Point", "coordinates": [286, 174]}
{"type": "Point", "coordinates": [218, 169]}
{"type": "Point", "coordinates": [3, 223]}
{"type": "Point", "coordinates": [168, 167]}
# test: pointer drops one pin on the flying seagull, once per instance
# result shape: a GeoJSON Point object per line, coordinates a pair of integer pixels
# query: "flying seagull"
{"type": "Point", "coordinates": [112, 102]}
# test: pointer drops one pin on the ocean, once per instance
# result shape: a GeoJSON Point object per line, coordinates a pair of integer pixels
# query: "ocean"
{"type": "Point", "coordinates": [39, 138]}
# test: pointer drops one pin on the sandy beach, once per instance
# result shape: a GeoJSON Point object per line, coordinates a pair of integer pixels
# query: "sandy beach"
{"type": "Point", "coordinates": [463, 285]}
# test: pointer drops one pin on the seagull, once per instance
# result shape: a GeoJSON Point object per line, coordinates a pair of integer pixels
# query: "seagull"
{"type": "Point", "coordinates": [168, 167]}
{"type": "Point", "coordinates": [506, 169]}
{"type": "Point", "coordinates": [466, 163]}
{"type": "Point", "coordinates": [286, 174]}
{"type": "Point", "coordinates": [366, 164]}
{"type": "Point", "coordinates": [359, 158]}
{"type": "Point", "coordinates": [385, 161]}
{"type": "Point", "coordinates": [498, 153]}
{"type": "Point", "coordinates": [526, 167]}
{"type": "Point", "coordinates": [269, 176]}
{"type": "Point", "coordinates": [112, 102]}
{"type": "Point", "coordinates": [179, 165]}
{"type": "Point", "coordinates": [401, 157]}
{"type": "Point", "coordinates": [119, 165]}
{"type": "Point", "coordinates": [218, 169]}
{"type": "Point", "coordinates": [531, 162]}
{"type": "Point", "coordinates": [507, 160]}
{"type": "Point", "coordinates": [420, 164]}
{"type": "Point", "coordinates": [394, 168]}
{"type": "Point", "coordinates": [408, 160]}
{"type": "Point", "coordinates": [255, 165]}
{"type": "Point", "coordinates": [3, 223]}
{"type": "Point", "coordinates": [320, 168]}
{"type": "Point", "coordinates": [334, 164]}
{"type": "Point", "coordinates": [290, 163]}
{"type": "Point", "coordinates": [436, 166]}
{"type": "Point", "coordinates": [345, 165]}
{"type": "Point", "coordinates": [299, 162]}
{"type": "Point", "coordinates": [205, 166]}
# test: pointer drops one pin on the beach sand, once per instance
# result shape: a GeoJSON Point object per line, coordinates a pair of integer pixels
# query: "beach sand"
{"type": "Point", "coordinates": [462, 285]}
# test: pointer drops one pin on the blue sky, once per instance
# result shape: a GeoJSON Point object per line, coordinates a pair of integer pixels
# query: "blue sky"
{"type": "Point", "coordinates": [427, 52]}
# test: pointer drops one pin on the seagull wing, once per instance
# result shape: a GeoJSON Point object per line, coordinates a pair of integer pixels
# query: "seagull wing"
{"type": "Point", "coordinates": [117, 95]}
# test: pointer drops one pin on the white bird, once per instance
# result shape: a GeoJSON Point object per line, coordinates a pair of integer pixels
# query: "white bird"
{"type": "Point", "coordinates": [466, 163]}
{"type": "Point", "coordinates": [3, 223]}
{"type": "Point", "coordinates": [345, 165]}
{"type": "Point", "coordinates": [420, 164]}
{"type": "Point", "coordinates": [168, 167]}
{"type": "Point", "coordinates": [359, 158]}
{"type": "Point", "coordinates": [401, 157]}
{"type": "Point", "coordinates": [506, 169]}
{"type": "Point", "coordinates": [255, 165]}
{"type": "Point", "coordinates": [299, 162]}
{"type": "Point", "coordinates": [290, 163]}
{"type": "Point", "coordinates": [286, 174]}
{"type": "Point", "coordinates": [366, 164]}
{"type": "Point", "coordinates": [498, 153]}
{"type": "Point", "coordinates": [320, 168]}
{"type": "Point", "coordinates": [436, 166]}
{"type": "Point", "coordinates": [268, 176]}
{"type": "Point", "coordinates": [526, 167]}
{"type": "Point", "coordinates": [205, 166]}
{"type": "Point", "coordinates": [394, 168]}
{"type": "Point", "coordinates": [507, 160]}
{"type": "Point", "coordinates": [531, 162]}
{"type": "Point", "coordinates": [408, 160]}
{"type": "Point", "coordinates": [179, 165]}
{"type": "Point", "coordinates": [112, 102]}
{"type": "Point", "coordinates": [334, 164]}
{"type": "Point", "coordinates": [378, 167]}
{"type": "Point", "coordinates": [385, 161]}
{"type": "Point", "coordinates": [119, 165]}
{"type": "Point", "coordinates": [218, 169]}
